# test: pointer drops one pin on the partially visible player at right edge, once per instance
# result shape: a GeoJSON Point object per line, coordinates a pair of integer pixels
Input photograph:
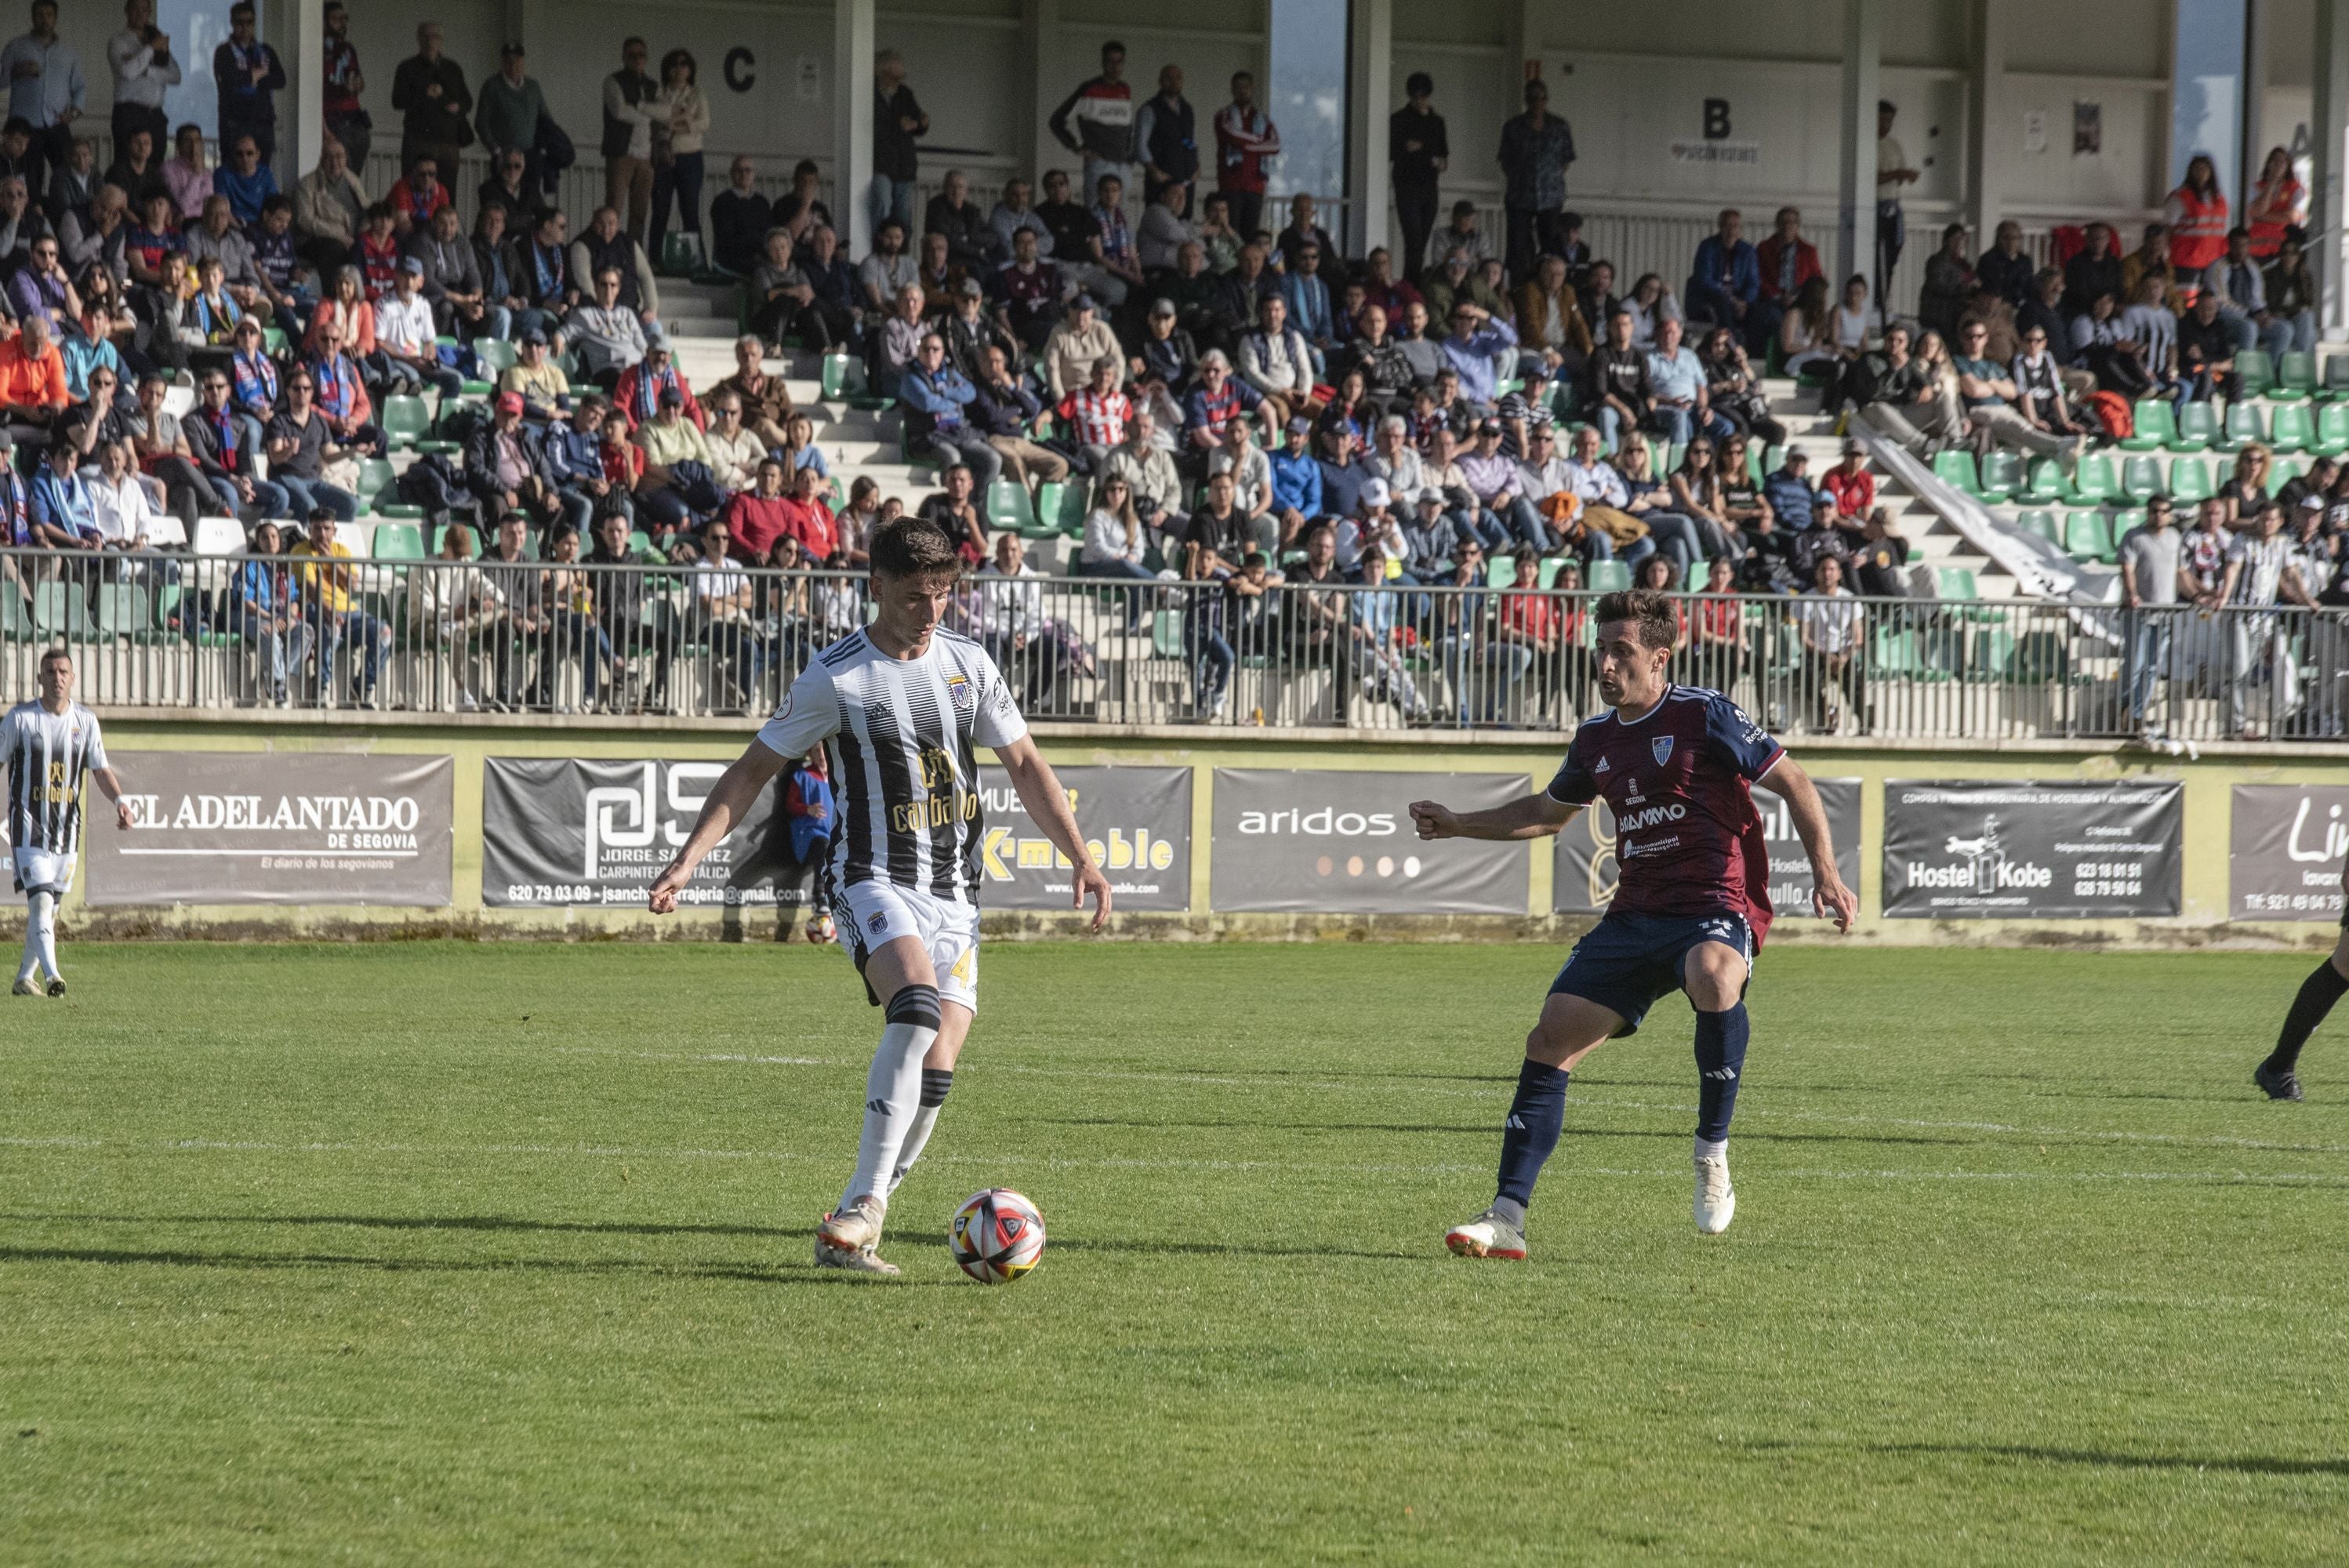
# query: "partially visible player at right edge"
{"type": "Point", "coordinates": [2278, 1075]}
{"type": "Point", "coordinates": [1676, 764]}
{"type": "Point", "coordinates": [47, 746]}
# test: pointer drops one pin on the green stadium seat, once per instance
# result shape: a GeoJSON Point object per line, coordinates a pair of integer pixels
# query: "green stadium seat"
{"type": "Point", "coordinates": [124, 610]}
{"type": "Point", "coordinates": [59, 610]}
{"type": "Point", "coordinates": [1166, 633]}
{"type": "Point", "coordinates": [2089, 536]}
{"type": "Point", "coordinates": [842, 376]}
{"type": "Point", "coordinates": [2189, 481]}
{"type": "Point", "coordinates": [2294, 429]}
{"type": "Point", "coordinates": [1957, 582]}
{"type": "Point", "coordinates": [639, 542]}
{"type": "Point", "coordinates": [2042, 523]}
{"type": "Point", "coordinates": [16, 623]}
{"type": "Point", "coordinates": [1551, 565]}
{"type": "Point", "coordinates": [2332, 428]}
{"type": "Point", "coordinates": [2140, 477]}
{"type": "Point", "coordinates": [2337, 376]}
{"type": "Point", "coordinates": [272, 339]}
{"type": "Point", "coordinates": [1988, 654]}
{"type": "Point", "coordinates": [2001, 475]}
{"type": "Point", "coordinates": [2039, 658]}
{"type": "Point", "coordinates": [398, 541]}
{"type": "Point", "coordinates": [2244, 425]}
{"type": "Point", "coordinates": [1062, 506]}
{"type": "Point", "coordinates": [2255, 371]}
{"type": "Point", "coordinates": [496, 355]}
{"type": "Point", "coordinates": [1607, 576]}
{"type": "Point", "coordinates": [1954, 465]}
{"type": "Point", "coordinates": [1698, 573]}
{"type": "Point", "coordinates": [1007, 505]}
{"type": "Point", "coordinates": [1772, 458]}
{"type": "Point", "coordinates": [2095, 481]}
{"type": "Point", "coordinates": [405, 420]}
{"type": "Point", "coordinates": [2047, 482]}
{"type": "Point", "coordinates": [1500, 570]}
{"type": "Point", "coordinates": [2156, 426]}
{"type": "Point", "coordinates": [2282, 472]}
{"type": "Point", "coordinates": [2296, 375]}
{"type": "Point", "coordinates": [2198, 427]}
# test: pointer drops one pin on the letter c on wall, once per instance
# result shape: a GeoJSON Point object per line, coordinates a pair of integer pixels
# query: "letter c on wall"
{"type": "Point", "coordinates": [741, 68]}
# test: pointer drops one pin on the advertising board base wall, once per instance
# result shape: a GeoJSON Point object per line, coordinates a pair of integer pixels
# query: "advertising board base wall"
{"type": "Point", "coordinates": [2258, 841]}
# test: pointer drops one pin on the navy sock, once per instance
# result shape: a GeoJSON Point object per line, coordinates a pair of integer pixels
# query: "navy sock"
{"type": "Point", "coordinates": [1535, 1119]}
{"type": "Point", "coordinates": [2317, 994]}
{"type": "Point", "coordinates": [1720, 1060]}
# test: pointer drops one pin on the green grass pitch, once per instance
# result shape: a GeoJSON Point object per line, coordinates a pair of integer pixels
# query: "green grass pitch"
{"type": "Point", "coordinates": [499, 1254]}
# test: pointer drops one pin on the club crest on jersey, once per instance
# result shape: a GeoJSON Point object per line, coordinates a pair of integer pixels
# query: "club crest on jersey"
{"type": "Point", "coordinates": [963, 694]}
{"type": "Point", "coordinates": [1662, 747]}
{"type": "Point", "coordinates": [879, 920]}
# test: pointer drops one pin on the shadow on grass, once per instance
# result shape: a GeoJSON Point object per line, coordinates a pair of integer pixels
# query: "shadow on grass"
{"type": "Point", "coordinates": [781, 1273]}
{"type": "Point", "coordinates": [427, 1223]}
{"type": "Point", "coordinates": [2238, 1464]}
{"type": "Point", "coordinates": [1482, 1129]}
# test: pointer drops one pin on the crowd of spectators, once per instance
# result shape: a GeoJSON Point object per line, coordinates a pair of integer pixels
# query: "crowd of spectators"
{"type": "Point", "coordinates": [1230, 398]}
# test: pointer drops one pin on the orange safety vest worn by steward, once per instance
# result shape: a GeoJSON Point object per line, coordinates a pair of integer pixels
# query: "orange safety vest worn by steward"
{"type": "Point", "coordinates": [2199, 236]}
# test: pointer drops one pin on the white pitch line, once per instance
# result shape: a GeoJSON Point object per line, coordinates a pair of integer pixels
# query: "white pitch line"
{"type": "Point", "coordinates": [1060, 1162]}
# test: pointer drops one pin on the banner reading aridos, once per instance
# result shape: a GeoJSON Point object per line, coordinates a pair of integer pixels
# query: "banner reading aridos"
{"type": "Point", "coordinates": [560, 831]}
{"type": "Point", "coordinates": [2285, 850]}
{"type": "Point", "coordinates": [1333, 842]}
{"type": "Point", "coordinates": [1989, 850]}
{"type": "Point", "coordinates": [1587, 871]}
{"type": "Point", "coordinates": [279, 828]}
{"type": "Point", "coordinates": [1135, 821]}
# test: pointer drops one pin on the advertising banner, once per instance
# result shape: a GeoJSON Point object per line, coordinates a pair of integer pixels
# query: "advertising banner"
{"type": "Point", "coordinates": [2284, 852]}
{"type": "Point", "coordinates": [1136, 821]}
{"type": "Point", "coordinates": [1587, 871]}
{"type": "Point", "coordinates": [278, 828]}
{"type": "Point", "coordinates": [1989, 849]}
{"type": "Point", "coordinates": [562, 831]}
{"type": "Point", "coordinates": [1306, 842]}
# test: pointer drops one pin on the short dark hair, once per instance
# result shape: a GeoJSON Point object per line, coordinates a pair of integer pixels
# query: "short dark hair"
{"type": "Point", "coordinates": [1659, 627]}
{"type": "Point", "coordinates": [53, 655]}
{"type": "Point", "coordinates": [1418, 82]}
{"type": "Point", "coordinates": [912, 546]}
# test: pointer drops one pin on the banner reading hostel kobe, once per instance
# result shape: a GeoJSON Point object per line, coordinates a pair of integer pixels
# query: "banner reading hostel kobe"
{"type": "Point", "coordinates": [1307, 842]}
{"type": "Point", "coordinates": [1987, 849]}
{"type": "Point", "coordinates": [558, 832]}
{"type": "Point", "coordinates": [278, 828]}
{"type": "Point", "coordinates": [1136, 821]}
{"type": "Point", "coordinates": [1587, 871]}
{"type": "Point", "coordinates": [2285, 854]}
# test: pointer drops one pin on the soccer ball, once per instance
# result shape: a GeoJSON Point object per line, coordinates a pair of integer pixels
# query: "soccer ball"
{"type": "Point", "coordinates": [996, 1236]}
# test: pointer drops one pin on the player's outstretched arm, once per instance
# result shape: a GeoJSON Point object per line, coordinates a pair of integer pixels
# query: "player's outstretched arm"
{"type": "Point", "coordinates": [730, 801]}
{"type": "Point", "coordinates": [1534, 817]}
{"type": "Point", "coordinates": [1048, 803]}
{"type": "Point", "coordinates": [1830, 900]}
{"type": "Point", "coordinates": [111, 782]}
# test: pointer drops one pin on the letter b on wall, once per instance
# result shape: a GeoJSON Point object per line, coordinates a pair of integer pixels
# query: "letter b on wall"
{"type": "Point", "coordinates": [1716, 119]}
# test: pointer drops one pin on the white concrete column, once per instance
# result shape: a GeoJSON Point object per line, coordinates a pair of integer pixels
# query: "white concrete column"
{"type": "Point", "coordinates": [1040, 18]}
{"type": "Point", "coordinates": [2328, 123]}
{"type": "Point", "coordinates": [2256, 18]}
{"type": "Point", "coordinates": [1370, 70]}
{"type": "Point", "coordinates": [852, 48]}
{"type": "Point", "coordinates": [300, 39]}
{"type": "Point", "coordinates": [1863, 47]}
{"type": "Point", "coordinates": [1984, 200]}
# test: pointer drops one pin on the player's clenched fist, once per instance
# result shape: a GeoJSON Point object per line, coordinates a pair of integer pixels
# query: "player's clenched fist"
{"type": "Point", "coordinates": [671, 881]}
{"type": "Point", "coordinates": [1434, 821]}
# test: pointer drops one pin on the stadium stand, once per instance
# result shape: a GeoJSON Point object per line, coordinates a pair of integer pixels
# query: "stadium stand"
{"type": "Point", "coordinates": [500, 369]}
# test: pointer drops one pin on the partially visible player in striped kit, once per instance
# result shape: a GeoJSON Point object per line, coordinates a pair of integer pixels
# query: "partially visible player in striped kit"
{"type": "Point", "coordinates": [49, 745]}
{"type": "Point", "coordinates": [905, 705]}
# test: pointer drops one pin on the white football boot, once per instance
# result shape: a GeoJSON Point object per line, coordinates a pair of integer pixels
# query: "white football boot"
{"type": "Point", "coordinates": [1716, 1200]}
{"type": "Point", "coordinates": [846, 1240]}
{"type": "Point", "coordinates": [1486, 1236]}
{"type": "Point", "coordinates": [23, 988]}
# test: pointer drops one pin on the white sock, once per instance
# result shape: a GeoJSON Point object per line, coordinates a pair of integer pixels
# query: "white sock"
{"type": "Point", "coordinates": [892, 1090]}
{"type": "Point", "coordinates": [41, 935]}
{"type": "Point", "coordinates": [1713, 1151]}
{"type": "Point", "coordinates": [32, 964]}
{"type": "Point", "coordinates": [935, 1085]}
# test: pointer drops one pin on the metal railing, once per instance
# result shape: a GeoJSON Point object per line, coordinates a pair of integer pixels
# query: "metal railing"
{"type": "Point", "coordinates": [226, 634]}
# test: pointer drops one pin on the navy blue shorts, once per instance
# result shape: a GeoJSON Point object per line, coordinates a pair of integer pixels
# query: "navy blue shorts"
{"type": "Point", "coordinates": [1627, 962]}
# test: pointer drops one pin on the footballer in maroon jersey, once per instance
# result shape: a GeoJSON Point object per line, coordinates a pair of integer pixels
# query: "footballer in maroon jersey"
{"type": "Point", "coordinates": [1677, 765]}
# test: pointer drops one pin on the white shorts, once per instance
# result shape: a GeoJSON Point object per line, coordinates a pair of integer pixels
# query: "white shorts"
{"type": "Point", "coordinates": [43, 870]}
{"type": "Point", "coordinates": [872, 913]}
